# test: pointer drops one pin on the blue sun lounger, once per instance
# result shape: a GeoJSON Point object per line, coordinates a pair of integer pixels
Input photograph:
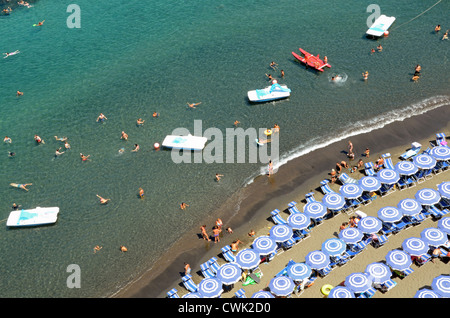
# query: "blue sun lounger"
{"type": "Point", "coordinates": [276, 217]}
{"type": "Point", "coordinates": [206, 271]}
{"type": "Point", "coordinates": [189, 283]}
{"type": "Point", "coordinates": [388, 161]}
{"type": "Point", "coordinates": [173, 293]}
{"type": "Point", "coordinates": [240, 294]}
{"type": "Point", "coordinates": [344, 178]}
{"type": "Point", "coordinates": [325, 187]}
{"type": "Point", "coordinates": [369, 169]}
{"type": "Point", "coordinates": [310, 197]}
{"type": "Point", "coordinates": [415, 149]}
{"type": "Point", "coordinates": [440, 140]}
{"type": "Point", "coordinates": [213, 264]}
{"type": "Point", "coordinates": [228, 254]}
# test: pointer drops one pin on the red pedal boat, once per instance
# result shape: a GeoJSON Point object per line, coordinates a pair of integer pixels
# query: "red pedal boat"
{"type": "Point", "coordinates": [311, 60]}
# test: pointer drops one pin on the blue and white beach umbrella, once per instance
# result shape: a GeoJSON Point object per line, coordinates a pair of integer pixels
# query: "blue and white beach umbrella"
{"type": "Point", "coordinates": [351, 191]}
{"type": "Point", "coordinates": [299, 221]}
{"type": "Point", "coordinates": [247, 258]}
{"type": "Point", "coordinates": [369, 183]}
{"type": "Point", "coordinates": [409, 207]}
{"type": "Point", "coordinates": [333, 201]}
{"type": "Point", "coordinates": [264, 245]}
{"type": "Point", "coordinates": [281, 286]}
{"type": "Point", "coordinates": [426, 293]}
{"type": "Point", "coordinates": [370, 224]}
{"type": "Point", "coordinates": [317, 259]}
{"type": "Point", "coordinates": [358, 282]}
{"type": "Point", "coordinates": [440, 153]}
{"type": "Point", "coordinates": [415, 246]}
{"type": "Point", "coordinates": [444, 189]}
{"type": "Point", "coordinates": [427, 196]}
{"type": "Point", "coordinates": [299, 271]}
{"type": "Point", "coordinates": [434, 237]}
{"type": "Point", "coordinates": [229, 273]}
{"type": "Point", "coordinates": [388, 176]}
{"type": "Point", "coordinates": [334, 247]}
{"type": "Point", "coordinates": [351, 235]}
{"type": "Point", "coordinates": [444, 225]}
{"type": "Point", "coordinates": [389, 214]}
{"type": "Point", "coordinates": [424, 161]}
{"type": "Point", "coordinates": [379, 272]}
{"type": "Point", "coordinates": [315, 209]}
{"type": "Point", "coordinates": [441, 285]}
{"type": "Point", "coordinates": [192, 295]}
{"type": "Point", "coordinates": [281, 232]}
{"type": "Point", "coordinates": [398, 260]}
{"type": "Point", "coordinates": [262, 294]}
{"type": "Point", "coordinates": [406, 168]}
{"type": "Point", "coordinates": [341, 292]}
{"type": "Point", "coordinates": [210, 288]}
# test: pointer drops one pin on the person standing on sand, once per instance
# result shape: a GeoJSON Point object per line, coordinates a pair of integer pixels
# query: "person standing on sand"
{"type": "Point", "coordinates": [204, 233]}
{"type": "Point", "coordinates": [187, 269]}
{"type": "Point", "coordinates": [216, 232]}
{"type": "Point", "coordinates": [350, 147]}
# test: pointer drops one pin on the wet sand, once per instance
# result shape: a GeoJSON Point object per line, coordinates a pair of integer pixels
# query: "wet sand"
{"type": "Point", "coordinates": [292, 181]}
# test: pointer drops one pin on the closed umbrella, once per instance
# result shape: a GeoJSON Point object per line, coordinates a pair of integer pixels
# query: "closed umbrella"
{"type": "Point", "coordinates": [389, 214]}
{"type": "Point", "coordinates": [440, 153]}
{"type": "Point", "coordinates": [341, 292]}
{"type": "Point", "coordinates": [333, 247]}
{"type": "Point", "coordinates": [424, 161]}
{"type": "Point", "coordinates": [299, 271]}
{"type": "Point", "coordinates": [333, 201]}
{"type": "Point", "coordinates": [398, 260]}
{"type": "Point", "coordinates": [406, 168]}
{"type": "Point", "coordinates": [441, 285]}
{"type": "Point", "coordinates": [434, 237]}
{"type": "Point", "coordinates": [262, 294]}
{"type": "Point", "coordinates": [427, 196]}
{"type": "Point", "coordinates": [415, 246]}
{"type": "Point", "coordinates": [369, 183]}
{"type": "Point", "coordinates": [264, 245]}
{"type": "Point", "coordinates": [299, 221]}
{"type": "Point", "coordinates": [281, 232]}
{"type": "Point", "coordinates": [210, 288]}
{"type": "Point", "coordinates": [426, 293]}
{"type": "Point", "coordinates": [358, 282]}
{"type": "Point", "coordinates": [229, 273]}
{"type": "Point", "coordinates": [351, 235]}
{"type": "Point", "coordinates": [388, 176]}
{"type": "Point", "coordinates": [379, 272]}
{"type": "Point", "coordinates": [281, 286]}
{"type": "Point", "coordinates": [409, 207]}
{"type": "Point", "coordinates": [351, 191]}
{"type": "Point", "coordinates": [315, 209]}
{"type": "Point", "coordinates": [444, 225]}
{"type": "Point", "coordinates": [369, 225]}
{"type": "Point", "coordinates": [444, 189]}
{"type": "Point", "coordinates": [317, 260]}
{"type": "Point", "coordinates": [247, 259]}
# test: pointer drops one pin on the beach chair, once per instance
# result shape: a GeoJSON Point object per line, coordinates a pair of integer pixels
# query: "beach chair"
{"type": "Point", "coordinates": [382, 239]}
{"type": "Point", "coordinates": [435, 212]}
{"type": "Point", "coordinates": [292, 204]}
{"type": "Point", "coordinates": [368, 293]}
{"type": "Point", "coordinates": [189, 283]}
{"type": "Point", "coordinates": [420, 176]}
{"type": "Point", "coordinates": [289, 243]}
{"type": "Point", "coordinates": [427, 151]}
{"type": "Point", "coordinates": [444, 203]}
{"type": "Point", "coordinates": [386, 189]}
{"type": "Point", "coordinates": [206, 271]}
{"type": "Point", "coordinates": [417, 219]}
{"type": "Point", "coordinates": [324, 271]}
{"type": "Point", "coordinates": [310, 197]}
{"type": "Point", "coordinates": [283, 272]}
{"type": "Point", "coordinates": [294, 209]}
{"type": "Point", "coordinates": [228, 254]}
{"type": "Point", "coordinates": [276, 217]}
{"type": "Point", "coordinates": [344, 178]}
{"type": "Point", "coordinates": [173, 293]}
{"type": "Point", "coordinates": [213, 265]}
{"type": "Point", "coordinates": [388, 161]}
{"type": "Point", "coordinates": [240, 294]}
{"type": "Point", "coordinates": [415, 149]}
{"type": "Point", "coordinates": [388, 285]}
{"type": "Point", "coordinates": [428, 174]}
{"type": "Point", "coordinates": [440, 140]}
{"type": "Point", "coordinates": [325, 187]}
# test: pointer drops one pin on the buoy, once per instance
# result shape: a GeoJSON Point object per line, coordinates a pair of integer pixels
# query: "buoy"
{"type": "Point", "coordinates": [156, 145]}
{"type": "Point", "coordinates": [268, 132]}
{"type": "Point", "coordinates": [274, 81]}
{"type": "Point", "coordinates": [326, 289]}
{"type": "Point", "coordinates": [386, 33]}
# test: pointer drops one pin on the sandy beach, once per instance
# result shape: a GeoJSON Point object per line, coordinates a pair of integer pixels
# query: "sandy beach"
{"type": "Point", "coordinates": [292, 182]}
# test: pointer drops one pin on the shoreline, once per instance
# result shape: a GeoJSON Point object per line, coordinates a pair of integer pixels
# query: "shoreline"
{"type": "Point", "coordinates": [292, 181]}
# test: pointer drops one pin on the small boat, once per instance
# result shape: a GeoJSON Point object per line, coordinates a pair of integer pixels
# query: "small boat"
{"type": "Point", "coordinates": [380, 26]}
{"type": "Point", "coordinates": [273, 92]}
{"type": "Point", "coordinates": [311, 60]}
{"type": "Point", "coordinates": [188, 142]}
{"type": "Point", "coordinates": [33, 217]}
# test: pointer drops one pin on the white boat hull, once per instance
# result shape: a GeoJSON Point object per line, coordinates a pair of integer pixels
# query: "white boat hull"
{"type": "Point", "coordinates": [381, 25]}
{"type": "Point", "coordinates": [253, 95]}
{"type": "Point", "coordinates": [188, 142]}
{"type": "Point", "coordinates": [33, 217]}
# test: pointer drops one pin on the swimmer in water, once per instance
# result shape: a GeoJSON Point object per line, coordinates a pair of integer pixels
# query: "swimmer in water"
{"type": "Point", "coordinates": [103, 200]}
{"type": "Point", "coordinates": [60, 138]}
{"type": "Point", "coordinates": [101, 118]}
{"type": "Point", "coordinates": [136, 148]}
{"type": "Point", "coordinates": [365, 75]}
{"type": "Point", "coordinates": [193, 105]}
{"type": "Point", "coordinates": [7, 140]}
{"type": "Point", "coordinates": [83, 157]}
{"type": "Point", "coordinates": [19, 93]}
{"type": "Point", "coordinates": [40, 23]}
{"type": "Point", "coordinates": [38, 139]}
{"type": "Point", "coordinates": [58, 152]}
{"type": "Point", "coordinates": [140, 122]}
{"type": "Point", "coordinates": [155, 114]}
{"type": "Point", "coordinates": [124, 136]}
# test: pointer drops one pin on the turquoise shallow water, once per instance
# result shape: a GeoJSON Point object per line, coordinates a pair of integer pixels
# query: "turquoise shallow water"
{"type": "Point", "coordinates": [128, 60]}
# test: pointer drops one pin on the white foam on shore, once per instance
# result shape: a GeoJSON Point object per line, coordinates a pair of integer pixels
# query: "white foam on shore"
{"type": "Point", "coordinates": [360, 127]}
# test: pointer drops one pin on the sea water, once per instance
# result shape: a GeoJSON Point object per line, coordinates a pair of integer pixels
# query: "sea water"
{"type": "Point", "coordinates": [131, 58]}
